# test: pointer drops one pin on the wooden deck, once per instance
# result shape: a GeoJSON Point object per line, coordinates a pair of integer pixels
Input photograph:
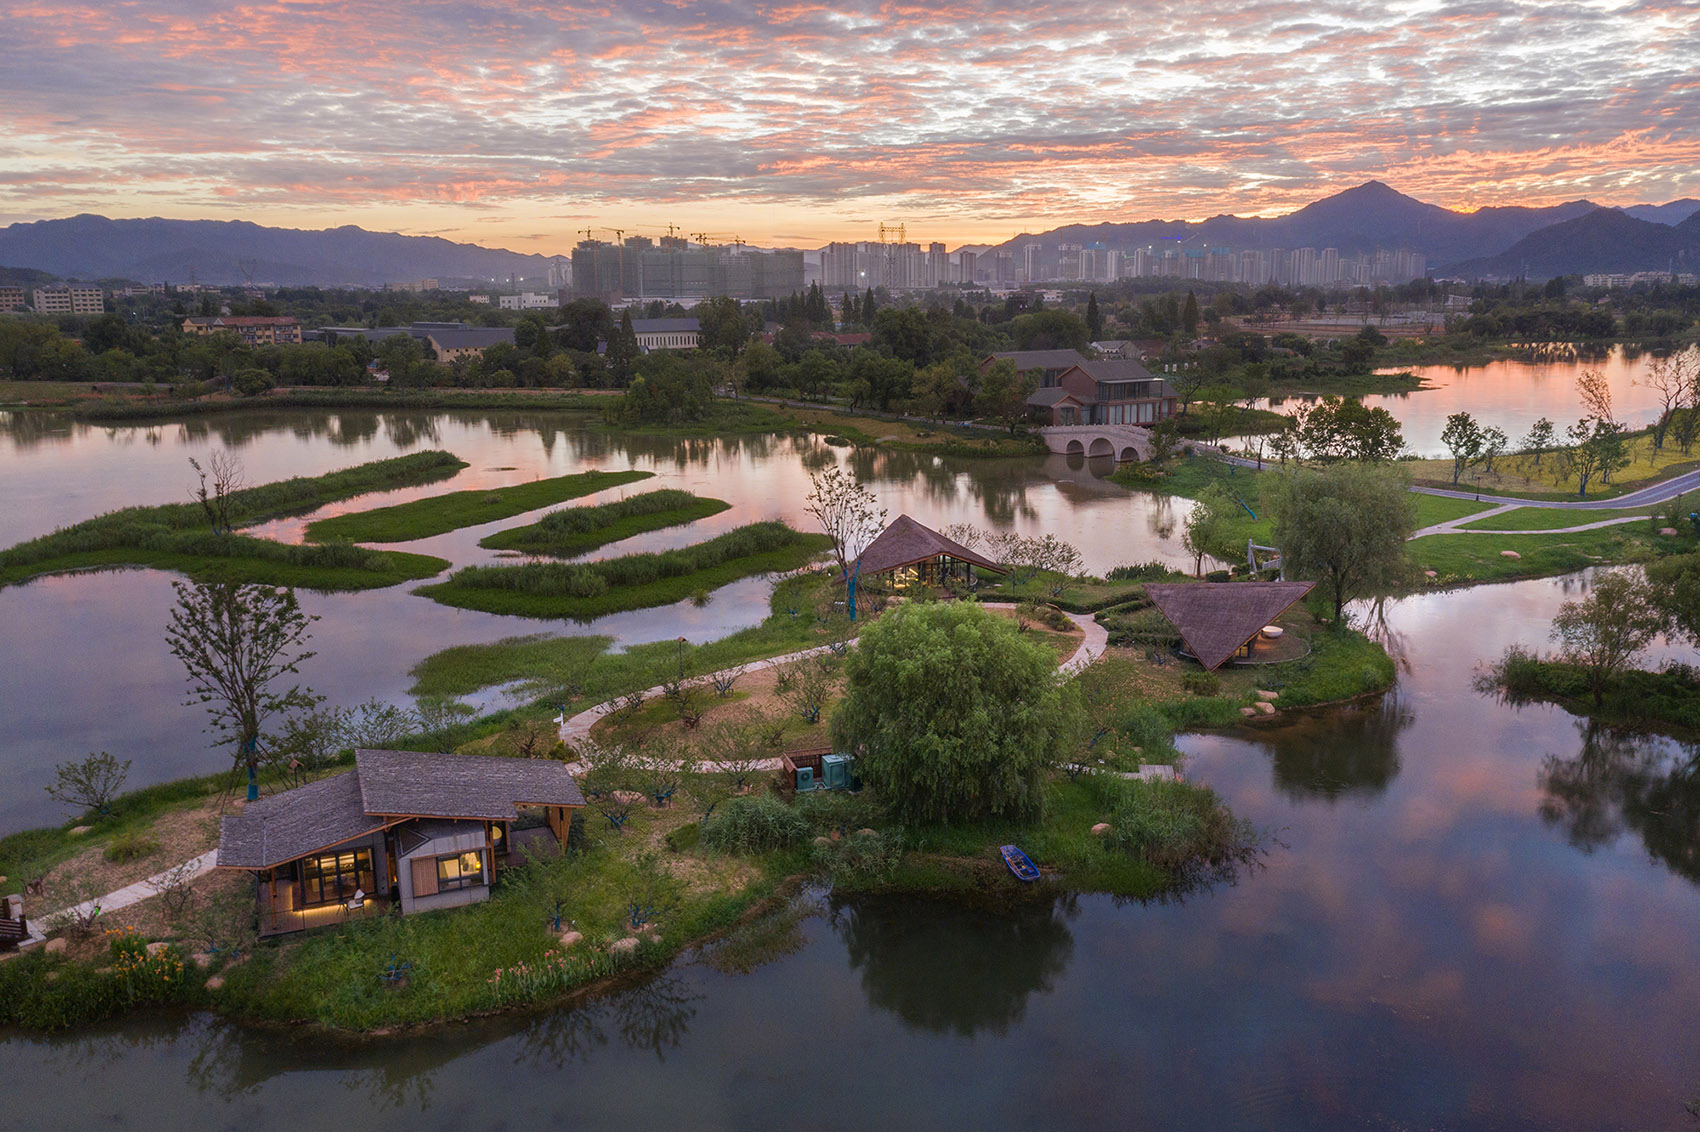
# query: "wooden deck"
{"type": "Point", "coordinates": [278, 917]}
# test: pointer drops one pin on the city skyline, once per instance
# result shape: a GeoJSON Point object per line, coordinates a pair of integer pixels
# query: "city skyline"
{"type": "Point", "coordinates": [800, 125]}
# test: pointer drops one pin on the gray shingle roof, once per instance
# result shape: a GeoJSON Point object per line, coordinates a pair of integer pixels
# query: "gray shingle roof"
{"type": "Point", "coordinates": [1050, 395]}
{"type": "Point", "coordinates": [665, 325]}
{"type": "Point", "coordinates": [384, 787]}
{"type": "Point", "coordinates": [292, 824]}
{"type": "Point", "coordinates": [906, 542]}
{"type": "Point", "coordinates": [472, 338]}
{"type": "Point", "coordinates": [1040, 359]}
{"type": "Point", "coordinates": [1216, 618]}
{"type": "Point", "coordinates": [407, 783]}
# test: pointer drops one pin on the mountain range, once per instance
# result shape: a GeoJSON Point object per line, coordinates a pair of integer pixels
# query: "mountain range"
{"type": "Point", "coordinates": [1374, 215]}
{"type": "Point", "coordinates": [1574, 237]}
{"type": "Point", "coordinates": [234, 251]}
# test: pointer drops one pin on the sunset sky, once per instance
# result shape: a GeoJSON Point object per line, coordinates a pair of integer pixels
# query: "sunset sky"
{"type": "Point", "coordinates": [516, 125]}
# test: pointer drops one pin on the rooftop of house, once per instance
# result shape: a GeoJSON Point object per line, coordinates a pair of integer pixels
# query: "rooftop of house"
{"type": "Point", "coordinates": [385, 787]}
{"type": "Point", "coordinates": [665, 326]}
{"type": "Point", "coordinates": [1216, 618]}
{"type": "Point", "coordinates": [472, 338]}
{"type": "Point", "coordinates": [1115, 369]}
{"type": "Point", "coordinates": [1039, 359]}
{"type": "Point", "coordinates": [906, 542]}
{"type": "Point", "coordinates": [1050, 395]}
{"type": "Point", "coordinates": [244, 320]}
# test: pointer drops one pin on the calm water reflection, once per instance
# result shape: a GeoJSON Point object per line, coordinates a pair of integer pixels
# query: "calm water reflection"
{"type": "Point", "coordinates": [1472, 916]}
{"type": "Point", "coordinates": [100, 678]}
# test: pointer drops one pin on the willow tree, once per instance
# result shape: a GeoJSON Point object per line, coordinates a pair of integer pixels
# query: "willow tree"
{"type": "Point", "coordinates": [1345, 526]}
{"type": "Point", "coordinates": [954, 714]}
{"type": "Point", "coordinates": [237, 642]}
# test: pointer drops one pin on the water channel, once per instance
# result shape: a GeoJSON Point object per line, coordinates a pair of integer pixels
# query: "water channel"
{"type": "Point", "coordinates": [1470, 916]}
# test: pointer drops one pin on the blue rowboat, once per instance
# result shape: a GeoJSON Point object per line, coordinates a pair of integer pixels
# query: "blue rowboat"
{"type": "Point", "coordinates": [1019, 863]}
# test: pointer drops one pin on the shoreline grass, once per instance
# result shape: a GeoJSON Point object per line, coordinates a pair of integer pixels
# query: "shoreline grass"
{"type": "Point", "coordinates": [635, 581]}
{"type": "Point", "coordinates": [440, 514]}
{"type": "Point", "coordinates": [298, 567]}
{"type": "Point", "coordinates": [177, 536]}
{"type": "Point", "coordinates": [1635, 699]}
{"type": "Point", "coordinates": [576, 530]}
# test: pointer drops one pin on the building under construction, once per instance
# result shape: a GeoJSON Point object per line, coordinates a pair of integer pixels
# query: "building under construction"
{"type": "Point", "coordinates": [677, 269]}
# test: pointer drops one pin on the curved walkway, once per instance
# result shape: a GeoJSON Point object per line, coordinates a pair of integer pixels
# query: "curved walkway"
{"type": "Point", "coordinates": [1094, 639]}
{"type": "Point", "coordinates": [124, 897]}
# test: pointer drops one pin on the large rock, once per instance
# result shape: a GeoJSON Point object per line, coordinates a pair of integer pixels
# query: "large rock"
{"type": "Point", "coordinates": [157, 947]}
{"type": "Point", "coordinates": [55, 946]}
{"type": "Point", "coordinates": [1262, 695]}
{"type": "Point", "coordinates": [1101, 828]}
{"type": "Point", "coordinates": [624, 946]}
{"type": "Point", "coordinates": [570, 938]}
{"type": "Point", "coordinates": [1662, 531]}
{"type": "Point", "coordinates": [1509, 554]}
{"type": "Point", "coordinates": [1248, 711]}
{"type": "Point", "coordinates": [1264, 707]}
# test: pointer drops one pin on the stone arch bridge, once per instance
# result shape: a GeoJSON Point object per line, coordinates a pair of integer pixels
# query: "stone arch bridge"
{"type": "Point", "coordinates": [1123, 442]}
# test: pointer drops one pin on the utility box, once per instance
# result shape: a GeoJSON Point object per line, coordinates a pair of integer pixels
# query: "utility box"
{"type": "Point", "coordinates": [835, 769]}
{"type": "Point", "coordinates": [805, 778]}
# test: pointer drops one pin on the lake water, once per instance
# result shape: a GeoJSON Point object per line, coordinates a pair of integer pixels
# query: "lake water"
{"type": "Point", "coordinates": [1469, 917]}
{"type": "Point", "coordinates": [99, 677]}
{"type": "Point", "coordinates": [1511, 395]}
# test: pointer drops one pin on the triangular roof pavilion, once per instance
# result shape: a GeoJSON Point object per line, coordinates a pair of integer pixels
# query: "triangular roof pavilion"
{"type": "Point", "coordinates": [1216, 618]}
{"type": "Point", "coordinates": [906, 543]}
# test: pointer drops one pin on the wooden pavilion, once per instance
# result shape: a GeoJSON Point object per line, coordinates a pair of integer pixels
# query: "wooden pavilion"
{"type": "Point", "coordinates": [914, 553]}
{"type": "Point", "coordinates": [1222, 621]}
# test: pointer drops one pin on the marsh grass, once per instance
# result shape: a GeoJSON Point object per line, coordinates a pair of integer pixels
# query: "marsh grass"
{"type": "Point", "coordinates": [176, 536]}
{"type": "Point", "coordinates": [635, 581]}
{"type": "Point", "coordinates": [439, 514]}
{"type": "Point", "coordinates": [575, 530]}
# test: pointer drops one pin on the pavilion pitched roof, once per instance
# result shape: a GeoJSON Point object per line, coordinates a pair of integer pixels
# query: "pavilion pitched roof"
{"type": "Point", "coordinates": [386, 787]}
{"type": "Point", "coordinates": [1216, 618]}
{"type": "Point", "coordinates": [906, 542]}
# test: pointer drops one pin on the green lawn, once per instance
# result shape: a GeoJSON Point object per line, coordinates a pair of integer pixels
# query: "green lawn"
{"type": "Point", "coordinates": [1432, 509]}
{"type": "Point", "coordinates": [1458, 558]}
{"type": "Point", "coordinates": [576, 530]}
{"type": "Point", "coordinates": [1554, 518]}
{"type": "Point", "coordinates": [439, 514]}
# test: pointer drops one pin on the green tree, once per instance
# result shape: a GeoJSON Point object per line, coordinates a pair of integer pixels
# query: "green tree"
{"type": "Point", "coordinates": [1346, 429]}
{"type": "Point", "coordinates": [1463, 438]}
{"type": "Point", "coordinates": [1190, 315]}
{"type": "Point", "coordinates": [1207, 525]}
{"type": "Point", "coordinates": [236, 642]}
{"type": "Point", "coordinates": [847, 512]}
{"type": "Point", "coordinates": [1608, 629]}
{"type": "Point", "coordinates": [1003, 394]}
{"type": "Point", "coordinates": [724, 326]}
{"type": "Point", "coordinates": [1346, 526]}
{"type": "Point", "coordinates": [1539, 439]}
{"type": "Point", "coordinates": [1094, 319]}
{"type": "Point", "coordinates": [954, 715]}
{"type": "Point", "coordinates": [1675, 582]}
{"type": "Point", "coordinates": [623, 351]}
{"type": "Point", "coordinates": [90, 784]}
